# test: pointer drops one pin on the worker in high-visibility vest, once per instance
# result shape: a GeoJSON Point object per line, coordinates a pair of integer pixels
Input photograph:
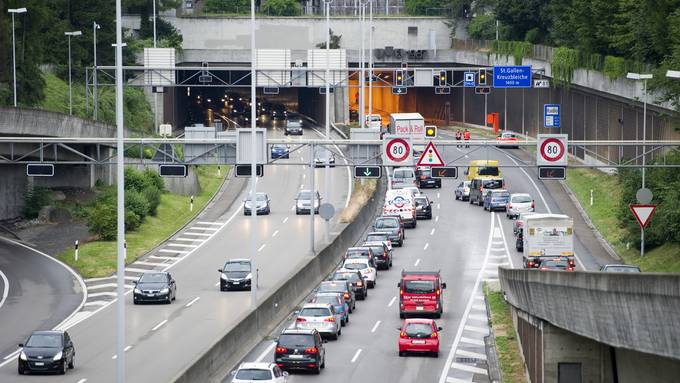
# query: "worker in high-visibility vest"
{"type": "Point", "coordinates": [466, 137]}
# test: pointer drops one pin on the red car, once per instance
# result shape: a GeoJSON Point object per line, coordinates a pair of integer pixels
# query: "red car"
{"type": "Point", "coordinates": [421, 293]}
{"type": "Point", "coordinates": [506, 139]}
{"type": "Point", "coordinates": [419, 336]}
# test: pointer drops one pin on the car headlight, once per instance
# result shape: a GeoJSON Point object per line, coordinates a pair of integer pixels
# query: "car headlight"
{"type": "Point", "coordinates": [249, 276]}
{"type": "Point", "coordinates": [299, 204]}
{"type": "Point", "coordinates": [23, 356]}
{"type": "Point", "coordinates": [316, 203]}
{"type": "Point", "coordinates": [224, 276]}
{"type": "Point", "coordinates": [58, 356]}
{"type": "Point", "coordinates": [138, 291]}
{"type": "Point", "coordinates": [165, 291]}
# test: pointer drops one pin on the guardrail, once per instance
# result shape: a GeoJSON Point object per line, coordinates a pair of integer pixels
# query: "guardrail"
{"type": "Point", "coordinates": [636, 311]}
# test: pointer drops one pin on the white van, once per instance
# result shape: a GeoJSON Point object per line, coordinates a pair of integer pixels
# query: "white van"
{"type": "Point", "coordinates": [401, 202]}
{"type": "Point", "coordinates": [403, 177]}
{"type": "Point", "coordinates": [373, 121]}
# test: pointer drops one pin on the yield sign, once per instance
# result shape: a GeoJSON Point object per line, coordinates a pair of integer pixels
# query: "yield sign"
{"type": "Point", "coordinates": [430, 157]}
{"type": "Point", "coordinates": [643, 213]}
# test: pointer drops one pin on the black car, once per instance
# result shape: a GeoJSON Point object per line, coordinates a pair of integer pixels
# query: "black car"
{"type": "Point", "coordinates": [47, 351]}
{"type": "Point", "coordinates": [423, 207]}
{"type": "Point", "coordinates": [424, 178]}
{"type": "Point", "coordinates": [393, 226]}
{"type": "Point", "coordinates": [293, 127]}
{"type": "Point", "coordinates": [279, 112]}
{"type": "Point", "coordinates": [236, 275]}
{"type": "Point", "coordinates": [354, 277]}
{"type": "Point", "coordinates": [300, 349]}
{"type": "Point", "coordinates": [383, 255]}
{"type": "Point", "coordinates": [154, 286]}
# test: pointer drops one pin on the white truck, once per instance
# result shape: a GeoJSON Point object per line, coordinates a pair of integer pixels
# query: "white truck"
{"type": "Point", "coordinates": [547, 236]}
{"type": "Point", "coordinates": [407, 125]}
{"type": "Point", "coordinates": [373, 121]}
{"type": "Point", "coordinates": [401, 202]}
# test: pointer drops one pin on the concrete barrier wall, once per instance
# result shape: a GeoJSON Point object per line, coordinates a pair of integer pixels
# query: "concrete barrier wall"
{"type": "Point", "coordinates": [36, 122]}
{"type": "Point", "coordinates": [252, 327]}
{"type": "Point", "coordinates": [639, 312]}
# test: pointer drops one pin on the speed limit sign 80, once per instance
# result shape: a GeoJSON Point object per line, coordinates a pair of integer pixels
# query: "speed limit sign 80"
{"type": "Point", "coordinates": [551, 149]}
{"type": "Point", "coordinates": [397, 151]}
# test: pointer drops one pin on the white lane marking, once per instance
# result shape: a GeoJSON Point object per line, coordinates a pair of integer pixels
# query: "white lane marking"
{"type": "Point", "coordinates": [189, 239]}
{"type": "Point", "coordinates": [292, 208]}
{"type": "Point", "coordinates": [262, 247]}
{"type": "Point", "coordinates": [417, 262]}
{"type": "Point", "coordinates": [194, 301]}
{"type": "Point", "coordinates": [135, 270]}
{"type": "Point", "coordinates": [436, 219]}
{"type": "Point", "coordinates": [459, 333]}
{"type": "Point", "coordinates": [204, 228]}
{"type": "Point", "coordinates": [476, 342]}
{"type": "Point", "coordinates": [391, 301]}
{"type": "Point", "coordinates": [439, 205]}
{"type": "Point", "coordinates": [456, 380]}
{"type": "Point", "coordinates": [375, 326]}
{"type": "Point", "coordinates": [471, 354]}
{"type": "Point", "coordinates": [172, 251]}
{"type": "Point", "coordinates": [161, 257]}
{"type": "Point", "coordinates": [480, 330]}
{"type": "Point", "coordinates": [95, 303]}
{"type": "Point", "coordinates": [432, 231]}
{"type": "Point", "coordinates": [5, 290]}
{"type": "Point", "coordinates": [481, 318]}
{"type": "Point", "coordinates": [437, 194]}
{"type": "Point", "coordinates": [217, 284]}
{"type": "Point", "coordinates": [199, 234]}
{"type": "Point", "coordinates": [304, 175]}
{"type": "Point", "coordinates": [479, 307]}
{"type": "Point", "coordinates": [107, 294]}
{"type": "Point", "coordinates": [302, 186]}
{"type": "Point", "coordinates": [127, 348]}
{"type": "Point", "coordinates": [106, 286]}
{"type": "Point", "coordinates": [147, 263]}
{"type": "Point", "coordinates": [156, 327]}
{"type": "Point", "coordinates": [82, 380]}
{"type": "Point", "coordinates": [286, 219]}
{"type": "Point", "coordinates": [12, 354]}
{"type": "Point", "coordinates": [356, 355]}
{"type": "Point", "coordinates": [268, 350]}
{"type": "Point", "coordinates": [505, 243]}
{"type": "Point", "coordinates": [210, 223]}
{"type": "Point", "coordinates": [275, 233]}
{"type": "Point", "coordinates": [181, 245]}
{"type": "Point", "coordinates": [426, 246]}
{"type": "Point", "coordinates": [473, 369]}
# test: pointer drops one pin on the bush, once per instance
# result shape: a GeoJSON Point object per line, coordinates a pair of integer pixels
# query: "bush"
{"type": "Point", "coordinates": [132, 221]}
{"type": "Point", "coordinates": [36, 199]}
{"type": "Point", "coordinates": [152, 178]}
{"type": "Point", "coordinates": [482, 27]}
{"type": "Point", "coordinates": [227, 6]}
{"type": "Point", "coordinates": [136, 203]}
{"type": "Point", "coordinates": [153, 197]}
{"type": "Point", "coordinates": [134, 180]}
{"type": "Point", "coordinates": [427, 7]}
{"type": "Point", "coordinates": [282, 8]}
{"type": "Point", "coordinates": [101, 220]}
{"type": "Point", "coordinates": [614, 67]}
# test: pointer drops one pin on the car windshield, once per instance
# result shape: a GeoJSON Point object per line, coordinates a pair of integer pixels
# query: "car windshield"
{"type": "Point", "coordinates": [332, 287]}
{"type": "Point", "coordinates": [377, 249]}
{"type": "Point", "coordinates": [419, 287]}
{"type": "Point", "coordinates": [346, 276]}
{"type": "Point", "coordinates": [425, 172]}
{"type": "Point", "coordinates": [386, 224]}
{"type": "Point", "coordinates": [260, 197]}
{"type": "Point", "coordinates": [500, 195]}
{"type": "Point", "coordinates": [355, 266]}
{"type": "Point", "coordinates": [330, 299]}
{"type": "Point", "coordinates": [403, 173]}
{"type": "Point", "coordinates": [418, 329]}
{"type": "Point", "coordinates": [488, 171]}
{"type": "Point", "coordinates": [153, 278]}
{"type": "Point", "coordinates": [237, 266]}
{"type": "Point", "coordinates": [279, 146]}
{"type": "Point", "coordinates": [493, 184]}
{"type": "Point", "coordinates": [44, 341]}
{"type": "Point", "coordinates": [421, 201]}
{"type": "Point", "coordinates": [521, 199]}
{"type": "Point", "coordinates": [376, 237]}
{"type": "Point", "coordinates": [555, 264]}
{"type": "Point", "coordinates": [622, 269]}
{"type": "Point", "coordinates": [296, 340]}
{"type": "Point", "coordinates": [253, 374]}
{"type": "Point", "coordinates": [314, 312]}
{"type": "Point", "coordinates": [305, 195]}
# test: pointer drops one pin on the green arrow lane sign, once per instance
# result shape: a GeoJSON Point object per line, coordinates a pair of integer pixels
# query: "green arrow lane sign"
{"type": "Point", "coordinates": [367, 172]}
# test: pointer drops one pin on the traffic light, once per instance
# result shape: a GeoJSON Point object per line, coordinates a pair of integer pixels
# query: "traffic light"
{"type": "Point", "coordinates": [431, 131]}
{"type": "Point", "coordinates": [442, 78]}
{"type": "Point", "coordinates": [482, 77]}
{"type": "Point", "coordinates": [399, 77]}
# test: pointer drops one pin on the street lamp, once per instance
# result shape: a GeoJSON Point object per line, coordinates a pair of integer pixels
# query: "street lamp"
{"type": "Point", "coordinates": [70, 97]}
{"type": "Point", "coordinates": [327, 173]}
{"type": "Point", "coordinates": [362, 93]}
{"type": "Point", "coordinates": [14, 60]}
{"type": "Point", "coordinates": [253, 171]}
{"type": "Point", "coordinates": [95, 26]}
{"type": "Point", "coordinates": [644, 77]}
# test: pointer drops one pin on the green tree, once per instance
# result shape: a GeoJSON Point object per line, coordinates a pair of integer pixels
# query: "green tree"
{"type": "Point", "coordinates": [334, 40]}
{"type": "Point", "coordinates": [281, 8]}
{"type": "Point", "coordinates": [520, 16]}
{"type": "Point", "coordinates": [428, 7]}
{"type": "Point", "coordinates": [226, 6]}
{"type": "Point", "coordinates": [482, 27]}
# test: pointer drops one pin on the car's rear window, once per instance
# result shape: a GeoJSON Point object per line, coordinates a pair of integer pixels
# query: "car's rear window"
{"type": "Point", "coordinates": [404, 173]}
{"type": "Point", "coordinates": [377, 249]}
{"type": "Point", "coordinates": [386, 224]}
{"type": "Point", "coordinates": [418, 329]}
{"type": "Point", "coordinates": [358, 252]}
{"type": "Point", "coordinates": [346, 276]}
{"type": "Point", "coordinates": [376, 237]}
{"type": "Point", "coordinates": [296, 340]}
{"type": "Point", "coordinates": [521, 199]}
{"type": "Point", "coordinates": [425, 172]}
{"type": "Point", "coordinates": [493, 184]}
{"type": "Point", "coordinates": [488, 171]}
{"type": "Point", "coordinates": [421, 201]}
{"type": "Point", "coordinates": [555, 264]}
{"type": "Point", "coordinates": [330, 299]}
{"type": "Point", "coordinates": [332, 287]}
{"type": "Point", "coordinates": [500, 195]}
{"type": "Point", "coordinates": [354, 266]}
{"type": "Point", "coordinates": [419, 287]}
{"type": "Point", "coordinates": [315, 312]}
{"type": "Point", "coordinates": [253, 374]}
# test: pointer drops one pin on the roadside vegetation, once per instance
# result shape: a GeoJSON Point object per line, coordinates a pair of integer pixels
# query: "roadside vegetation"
{"type": "Point", "coordinates": [98, 258]}
{"type": "Point", "coordinates": [507, 345]}
{"type": "Point", "coordinates": [363, 191]}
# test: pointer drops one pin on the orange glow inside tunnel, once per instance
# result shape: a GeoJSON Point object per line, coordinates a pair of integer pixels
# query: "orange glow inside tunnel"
{"type": "Point", "coordinates": [384, 102]}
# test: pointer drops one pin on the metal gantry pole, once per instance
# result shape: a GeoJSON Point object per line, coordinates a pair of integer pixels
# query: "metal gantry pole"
{"type": "Point", "coordinates": [95, 26]}
{"type": "Point", "coordinates": [120, 202]}
{"type": "Point", "coordinates": [327, 172]}
{"type": "Point", "coordinates": [154, 23]}
{"type": "Point", "coordinates": [312, 200]}
{"type": "Point", "coordinates": [370, 60]}
{"type": "Point", "coordinates": [14, 61]}
{"type": "Point", "coordinates": [155, 95]}
{"type": "Point", "coordinates": [70, 100]}
{"type": "Point", "coordinates": [253, 165]}
{"type": "Point", "coordinates": [644, 156]}
{"type": "Point", "coordinates": [362, 74]}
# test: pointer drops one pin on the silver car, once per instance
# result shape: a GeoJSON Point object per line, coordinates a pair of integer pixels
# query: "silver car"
{"type": "Point", "coordinates": [319, 316]}
{"type": "Point", "coordinates": [519, 203]}
{"type": "Point", "coordinates": [303, 202]}
{"type": "Point", "coordinates": [463, 191]}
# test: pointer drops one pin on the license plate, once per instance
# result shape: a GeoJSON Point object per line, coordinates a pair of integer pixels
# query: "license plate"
{"type": "Point", "coordinates": [419, 308]}
{"type": "Point", "coordinates": [237, 283]}
{"type": "Point", "coordinates": [296, 356]}
{"type": "Point", "coordinates": [39, 363]}
{"type": "Point", "coordinates": [418, 342]}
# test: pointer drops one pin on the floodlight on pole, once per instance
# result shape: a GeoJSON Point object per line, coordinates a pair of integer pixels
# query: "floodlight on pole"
{"type": "Point", "coordinates": [327, 172]}
{"type": "Point", "coordinates": [70, 97]}
{"type": "Point", "coordinates": [14, 59]}
{"type": "Point", "coordinates": [95, 26]}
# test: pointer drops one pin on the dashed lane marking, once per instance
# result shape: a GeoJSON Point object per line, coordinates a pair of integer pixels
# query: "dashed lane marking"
{"type": "Point", "coordinates": [204, 228]}
{"type": "Point", "coordinates": [210, 223]}
{"type": "Point", "coordinates": [432, 231]}
{"type": "Point", "coordinates": [479, 330]}
{"type": "Point", "coordinates": [471, 354]}
{"type": "Point", "coordinates": [171, 251]}
{"type": "Point", "coordinates": [375, 326]}
{"type": "Point", "coordinates": [198, 234]}
{"type": "Point", "coordinates": [192, 302]}
{"type": "Point", "coordinates": [417, 262]}
{"type": "Point", "coordinates": [286, 219]}
{"type": "Point", "coordinates": [436, 219]}
{"type": "Point", "coordinates": [164, 321]}
{"type": "Point", "coordinates": [426, 246]}
{"type": "Point", "coordinates": [391, 301]}
{"type": "Point", "coordinates": [181, 245]}
{"type": "Point", "coordinates": [162, 257]}
{"type": "Point", "coordinates": [473, 369]}
{"type": "Point", "coordinates": [262, 247]}
{"type": "Point", "coordinates": [476, 342]}
{"type": "Point", "coordinates": [356, 355]}
{"type": "Point", "coordinates": [189, 239]}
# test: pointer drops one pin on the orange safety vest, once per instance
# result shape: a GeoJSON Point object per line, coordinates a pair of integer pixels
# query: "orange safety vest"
{"type": "Point", "coordinates": [466, 135]}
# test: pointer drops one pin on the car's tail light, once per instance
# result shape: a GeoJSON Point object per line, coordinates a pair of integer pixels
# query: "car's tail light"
{"type": "Point", "coordinates": [402, 334]}
{"type": "Point", "coordinates": [509, 205]}
{"type": "Point", "coordinates": [360, 284]}
{"type": "Point", "coordinates": [311, 350]}
{"type": "Point", "coordinates": [329, 319]}
{"type": "Point", "coordinates": [533, 204]}
{"type": "Point", "coordinates": [422, 177]}
{"type": "Point", "coordinates": [311, 365]}
{"type": "Point", "coordinates": [401, 292]}
{"type": "Point", "coordinates": [298, 319]}
{"type": "Point", "coordinates": [572, 263]}
{"type": "Point", "coordinates": [439, 292]}
{"type": "Point", "coordinates": [434, 335]}
{"type": "Point", "coordinates": [281, 350]}
{"type": "Point", "coordinates": [570, 268]}
{"type": "Point", "coordinates": [346, 295]}
{"type": "Point", "coordinates": [530, 264]}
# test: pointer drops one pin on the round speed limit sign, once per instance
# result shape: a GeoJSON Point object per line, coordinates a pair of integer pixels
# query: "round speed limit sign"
{"type": "Point", "coordinates": [552, 150]}
{"type": "Point", "coordinates": [397, 151]}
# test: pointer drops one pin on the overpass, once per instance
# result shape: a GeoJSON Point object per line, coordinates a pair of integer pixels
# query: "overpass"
{"type": "Point", "coordinates": [596, 327]}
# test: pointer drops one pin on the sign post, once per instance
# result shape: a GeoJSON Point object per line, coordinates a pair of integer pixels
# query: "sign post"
{"type": "Point", "coordinates": [512, 76]}
{"type": "Point", "coordinates": [469, 80]}
{"type": "Point", "coordinates": [397, 151]}
{"type": "Point", "coordinates": [431, 157]}
{"type": "Point", "coordinates": [551, 155]}
{"type": "Point", "coordinates": [643, 213]}
{"type": "Point", "coordinates": [551, 115]}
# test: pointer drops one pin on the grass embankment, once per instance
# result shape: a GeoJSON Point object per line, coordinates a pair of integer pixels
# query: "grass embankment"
{"type": "Point", "coordinates": [606, 200]}
{"type": "Point", "coordinates": [360, 195]}
{"type": "Point", "coordinates": [98, 258]}
{"type": "Point", "coordinates": [507, 346]}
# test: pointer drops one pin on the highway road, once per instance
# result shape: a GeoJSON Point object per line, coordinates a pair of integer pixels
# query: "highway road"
{"type": "Point", "coordinates": [468, 245]}
{"type": "Point", "coordinates": [164, 339]}
{"type": "Point", "coordinates": [36, 291]}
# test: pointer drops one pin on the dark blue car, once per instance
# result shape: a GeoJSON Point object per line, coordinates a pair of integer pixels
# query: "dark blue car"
{"type": "Point", "coordinates": [280, 151]}
{"type": "Point", "coordinates": [496, 199]}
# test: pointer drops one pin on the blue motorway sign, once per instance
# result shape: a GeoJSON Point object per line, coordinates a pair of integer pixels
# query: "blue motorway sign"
{"type": "Point", "coordinates": [512, 76]}
{"type": "Point", "coordinates": [551, 115]}
{"type": "Point", "coordinates": [469, 80]}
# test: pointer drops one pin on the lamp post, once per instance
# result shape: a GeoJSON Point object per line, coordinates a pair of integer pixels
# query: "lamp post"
{"type": "Point", "coordinates": [644, 77]}
{"type": "Point", "coordinates": [154, 23]}
{"type": "Point", "coordinates": [370, 62]}
{"type": "Point", "coordinates": [14, 59]}
{"type": "Point", "coordinates": [70, 97]}
{"type": "Point", "coordinates": [327, 173]}
{"type": "Point", "coordinates": [120, 202]}
{"type": "Point", "coordinates": [253, 165]}
{"type": "Point", "coordinates": [362, 94]}
{"type": "Point", "coordinates": [95, 26]}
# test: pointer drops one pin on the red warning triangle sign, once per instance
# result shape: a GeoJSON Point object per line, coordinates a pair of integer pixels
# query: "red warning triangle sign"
{"type": "Point", "coordinates": [431, 157]}
{"type": "Point", "coordinates": [643, 213]}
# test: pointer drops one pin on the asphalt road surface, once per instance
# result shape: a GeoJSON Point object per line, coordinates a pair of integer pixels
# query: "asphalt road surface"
{"type": "Point", "coordinates": [164, 339]}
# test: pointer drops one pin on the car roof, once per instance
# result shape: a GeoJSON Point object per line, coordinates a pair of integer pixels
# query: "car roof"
{"type": "Point", "coordinates": [335, 282]}
{"type": "Point", "coordinates": [358, 248]}
{"type": "Point", "coordinates": [520, 194]}
{"type": "Point", "coordinates": [298, 331]}
{"type": "Point", "coordinates": [356, 260]}
{"type": "Point", "coordinates": [498, 190]}
{"type": "Point", "coordinates": [256, 365]}
{"type": "Point", "coordinates": [374, 243]}
{"type": "Point", "coordinates": [381, 233]}
{"type": "Point", "coordinates": [418, 320]}
{"type": "Point", "coordinates": [316, 306]}
{"type": "Point", "coordinates": [328, 294]}
{"type": "Point", "coordinates": [47, 332]}
{"type": "Point", "coordinates": [420, 275]}
{"type": "Point", "coordinates": [238, 260]}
